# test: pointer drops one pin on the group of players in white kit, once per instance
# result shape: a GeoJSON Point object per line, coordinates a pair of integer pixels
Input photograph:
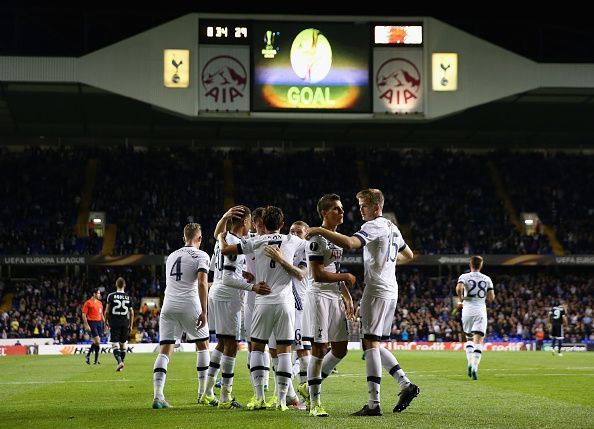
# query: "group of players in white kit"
{"type": "Point", "coordinates": [293, 296]}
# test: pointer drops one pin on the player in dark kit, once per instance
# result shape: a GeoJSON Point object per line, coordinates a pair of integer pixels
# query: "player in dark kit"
{"type": "Point", "coordinates": [119, 317]}
{"type": "Point", "coordinates": [558, 318]}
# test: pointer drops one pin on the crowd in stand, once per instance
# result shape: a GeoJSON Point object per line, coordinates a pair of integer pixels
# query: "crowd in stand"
{"type": "Point", "coordinates": [444, 201]}
{"type": "Point", "coordinates": [39, 194]}
{"type": "Point", "coordinates": [556, 187]}
{"type": "Point", "coordinates": [51, 307]}
{"type": "Point", "coordinates": [170, 189]}
{"type": "Point", "coordinates": [521, 307]}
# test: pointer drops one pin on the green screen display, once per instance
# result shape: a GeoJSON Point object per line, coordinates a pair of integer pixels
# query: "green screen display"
{"type": "Point", "coordinates": [310, 66]}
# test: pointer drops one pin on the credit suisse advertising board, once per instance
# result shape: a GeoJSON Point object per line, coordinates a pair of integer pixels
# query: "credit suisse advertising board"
{"type": "Point", "coordinates": [290, 66]}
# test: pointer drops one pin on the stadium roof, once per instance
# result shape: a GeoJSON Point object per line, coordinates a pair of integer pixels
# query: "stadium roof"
{"type": "Point", "coordinates": [546, 117]}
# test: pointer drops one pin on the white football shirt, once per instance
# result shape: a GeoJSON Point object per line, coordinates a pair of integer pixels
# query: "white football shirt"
{"type": "Point", "coordinates": [476, 286]}
{"type": "Point", "coordinates": [183, 267]}
{"type": "Point", "coordinates": [216, 266]}
{"type": "Point", "coordinates": [250, 267]}
{"type": "Point", "coordinates": [268, 270]}
{"type": "Point", "coordinates": [300, 286]}
{"type": "Point", "coordinates": [381, 241]}
{"type": "Point", "coordinates": [232, 263]}
{"type": "Point", "coordinates": [321, 250]}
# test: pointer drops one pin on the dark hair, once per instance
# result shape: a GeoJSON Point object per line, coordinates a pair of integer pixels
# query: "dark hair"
{"type": "Point", "coordinates": [476, 262]}
{"type": "Point", "coordinates": [95, 290]}
{"type": "Point", "coordinates": [326, 202]}
{"type": "Point", "coordinates": [273, 218]}
{"type": "Point", "coordinates": [257, 213]}
{"type": "Point", "coordinates": [246, 214]}
{"type": "Point", "coordinates": [120, 283]}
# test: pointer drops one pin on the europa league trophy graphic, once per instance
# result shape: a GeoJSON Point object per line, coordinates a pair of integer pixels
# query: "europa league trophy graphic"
{"type": "Point", "coordinates": [175, 78]}
{"type": "Point", "coordinates": [444, 80]}
{"type": "Point", "coordinates": [269, 39]}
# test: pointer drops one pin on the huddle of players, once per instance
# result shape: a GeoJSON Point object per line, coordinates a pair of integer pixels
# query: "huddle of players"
{"type": "Point", "coordinates": [279, 262]}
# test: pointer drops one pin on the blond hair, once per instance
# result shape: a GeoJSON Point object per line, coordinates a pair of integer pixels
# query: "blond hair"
{"type": "Point", "coordinates": [191, 230]}
{"type": "Point", "coordinates": [372, 196]}
{"type": "Point", "coordinates": [301, 223]}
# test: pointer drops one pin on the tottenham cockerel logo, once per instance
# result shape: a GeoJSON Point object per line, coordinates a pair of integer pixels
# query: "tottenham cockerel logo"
{"type": "Point", "coordinates": [398, 82]}
{"type": "Point", "coordinates": [224, 78]}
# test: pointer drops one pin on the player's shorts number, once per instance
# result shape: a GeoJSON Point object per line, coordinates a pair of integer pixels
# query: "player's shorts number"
{"type": "Point", "coordinates": [297, 337]}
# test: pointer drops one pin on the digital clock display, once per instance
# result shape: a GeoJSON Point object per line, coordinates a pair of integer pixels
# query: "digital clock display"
{"type": "Point", "coordinates": [224, 32]}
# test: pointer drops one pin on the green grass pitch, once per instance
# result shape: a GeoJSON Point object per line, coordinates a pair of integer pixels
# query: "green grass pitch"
{"type": "Point", "coordinates": [514, 390]}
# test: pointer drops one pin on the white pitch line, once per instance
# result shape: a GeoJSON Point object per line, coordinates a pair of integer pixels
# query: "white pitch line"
{"type": "Point", "coordinates": [443, 371]}
{"type": "Point", "coordinates": [120, 380]}
{"type": "Point", "coordinates": [429, 373]}
{"type": "Point", "coordinates": [545, 375]}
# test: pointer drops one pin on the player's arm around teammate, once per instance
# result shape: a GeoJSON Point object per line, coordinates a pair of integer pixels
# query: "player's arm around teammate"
{"type": "Point", "coordinates": [275, 254]}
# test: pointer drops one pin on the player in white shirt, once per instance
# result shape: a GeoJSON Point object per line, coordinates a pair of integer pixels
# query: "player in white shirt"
{"type": "Point", "coordinates": [273, 313]}
{"type": "Point", "coordinates": [250, 300]}
{"type": "Point", "coordinates": [206, 394]}
{"type": "Point", "coordinates": [473, 289]}
{"type": "Point", "coordinates": [301, 347]}
{"type": "Point", "coordinates": [184, 307]}
{"type": "Point", "coordinates": [225, 300]}
{"type": "Point", "coordinates": [382, 245]}
{"type": "Point", "coordinates": [327, 314]}
{"type": "Point", "coordinates": [300, 287]}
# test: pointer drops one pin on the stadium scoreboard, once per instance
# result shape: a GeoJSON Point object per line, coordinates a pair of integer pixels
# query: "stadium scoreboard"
{"type": "Point", "coordinates": [224, 32]}
{"type": "Point", "coordinates": [266, 66]}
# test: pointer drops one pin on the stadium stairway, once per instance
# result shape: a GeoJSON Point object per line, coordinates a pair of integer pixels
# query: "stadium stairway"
{"type": "Point", "coordinates": [229, 184]}
{"type": "Point", "coordinates": [362, 174]}
{"type": "Point", "coordinates": [6, 303]}
{"type": "Point", "coordinates": [109, 239]}
{"type": "Point", "coordinates": [513, 213]}
{"type": "Point", "coordinates": [508, 205]}
{"type": "Point", "coordinates": [81, 229]}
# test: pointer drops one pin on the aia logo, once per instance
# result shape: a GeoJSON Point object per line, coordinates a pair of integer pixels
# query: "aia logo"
{"type": "Point", "coordinates": [398, 82]}
{"type": "Point", "coordinates": [224, 78]}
